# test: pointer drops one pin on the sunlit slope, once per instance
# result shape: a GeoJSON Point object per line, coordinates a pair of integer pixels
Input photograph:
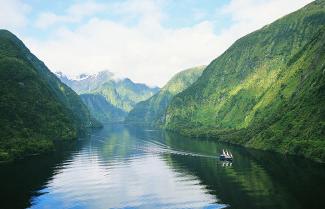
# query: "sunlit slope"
{"type": "Point", "coordinates": [266, 91]}
{"type": "Point", "coordinates": [152, 111]}
{"type": "Point", "coordinates": [35, 107]}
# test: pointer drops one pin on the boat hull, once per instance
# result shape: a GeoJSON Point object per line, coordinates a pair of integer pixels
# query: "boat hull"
{"type": "Point", "coordinates": [224, 158]}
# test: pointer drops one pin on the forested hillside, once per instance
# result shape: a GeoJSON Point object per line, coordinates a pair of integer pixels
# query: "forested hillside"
{"type": "Point", "coordinates": [266, 91]}
{"type": "Point", "coordinates": [36, 108]}
{"type": "Point", "coordinates": [152, 111]}
{"type": "Point", "coordinates": [101, 109]}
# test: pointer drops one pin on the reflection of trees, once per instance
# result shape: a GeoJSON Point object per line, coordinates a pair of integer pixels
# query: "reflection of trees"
{"type": "Point", "coordinates": [255, 180]}
{"type": "Point", "coordinates": [19, 180]}
{"type": "Point", "coordinates": [111, 144]}
{"type": "Point", "coordinates": [120, 143]}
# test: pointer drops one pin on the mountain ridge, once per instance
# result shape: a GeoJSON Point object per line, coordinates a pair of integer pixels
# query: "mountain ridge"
{"type": "Point", "coordinates": [121, 94]}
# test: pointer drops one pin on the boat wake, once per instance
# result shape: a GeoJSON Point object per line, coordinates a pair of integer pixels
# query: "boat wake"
{"type": "Point", "coordinates": [158, 147]}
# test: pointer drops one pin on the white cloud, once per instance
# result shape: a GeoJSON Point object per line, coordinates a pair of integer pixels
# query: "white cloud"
{"type": "Point", "coordinates": [262, 11]}
{"type": "Point", "coordinates": [148, 51]}
{"type": "Point", "coordinates": [47, 19]}
{"type": "Point", "coordinates": [74, 14]}
{"type": "Point", "coordinates": [250, 15]}
{"type": "Point", "coordinates": [13, 14]}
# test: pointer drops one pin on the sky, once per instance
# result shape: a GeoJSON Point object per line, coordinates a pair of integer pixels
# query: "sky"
{"type": "Point", "coordinates": [147, 41]}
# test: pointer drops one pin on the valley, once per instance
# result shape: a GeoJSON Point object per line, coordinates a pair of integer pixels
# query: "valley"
{"type": "Point", "coordinates": [216, 113]}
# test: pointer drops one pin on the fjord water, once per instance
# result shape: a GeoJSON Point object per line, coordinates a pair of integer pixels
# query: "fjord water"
{"type": "Point", "coordinates": [129, 167]}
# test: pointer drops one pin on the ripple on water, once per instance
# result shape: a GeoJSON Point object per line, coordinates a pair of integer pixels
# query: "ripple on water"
{"type": "Point", "coordinates": [139, 181]}
{"type": "Point", "coordinates": [120, 172]}
{"type": "Point", "coordinates": [124, 168]}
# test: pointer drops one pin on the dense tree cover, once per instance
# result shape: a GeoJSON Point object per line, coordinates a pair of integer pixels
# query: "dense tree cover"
{"type": "Point", "coordinates": [35, 107]}
{"type": "Point", "coordinates": [266, 91]}
{"type": "Point", "coordinates": [152, 111]}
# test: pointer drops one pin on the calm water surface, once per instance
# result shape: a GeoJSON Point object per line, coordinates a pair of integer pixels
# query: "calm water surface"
{"type": "Point", "coordinates": [125, 167]}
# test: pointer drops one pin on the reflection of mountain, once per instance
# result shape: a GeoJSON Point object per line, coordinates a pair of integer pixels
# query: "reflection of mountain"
{"type": "Point", "coordinates": [255, 180]}
{"type": "Point", "coordinates": [125, 162]}
{"type": "Point", "coordinates": [117, 141]}
{"type": "Point", "coordinates": [20, 180]}
{"type": "Point", "coordinates": [120, 166]}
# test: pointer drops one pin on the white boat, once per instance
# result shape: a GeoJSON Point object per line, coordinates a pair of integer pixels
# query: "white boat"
{"type": "Point", "coordinates": [226, 155]}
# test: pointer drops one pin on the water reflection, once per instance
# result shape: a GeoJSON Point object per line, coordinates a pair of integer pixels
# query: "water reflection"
{"type": "Point", "coordinates": [255, 179]}
{"type": "Point", "coordinates": [119, 167]}
{"type": "Point", "coordinates": [226, 164]}
{"type": "Point", "coordinates": [118, 170]}
{"type": "Point", "coordinates": [24, 179]}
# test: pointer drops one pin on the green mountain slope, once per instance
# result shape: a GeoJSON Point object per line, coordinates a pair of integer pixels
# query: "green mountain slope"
{"type": "Point", "coordinates": [152, 111]}
{"type": "Point", "coordinates": [35, 107]}
{"type": "Point", "coordinates": [101, 109]}
{"type": "Point", "coordinates": [266, 91]}
{"type": "Point", "coordinates": [121, 93]}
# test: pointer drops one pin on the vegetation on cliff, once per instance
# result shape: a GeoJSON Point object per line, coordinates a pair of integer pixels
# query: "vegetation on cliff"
{"type": "Point", "coordinates": [266, 91]}
{"type": "Point", "coordinates": [152, 111]}
{"type": "Point", "coordinates": [36, 108]}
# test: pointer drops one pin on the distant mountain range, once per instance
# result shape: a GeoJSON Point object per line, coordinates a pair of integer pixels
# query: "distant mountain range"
{"type": "Point", "coordinates": [121, 95]}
